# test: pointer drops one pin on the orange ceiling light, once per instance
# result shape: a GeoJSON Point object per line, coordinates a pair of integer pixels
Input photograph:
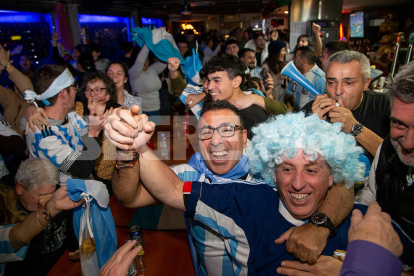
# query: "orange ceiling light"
{"type": "Point", "coordinates": [189, 27]}
{"type": "Point", "coordinates": [341, 32]}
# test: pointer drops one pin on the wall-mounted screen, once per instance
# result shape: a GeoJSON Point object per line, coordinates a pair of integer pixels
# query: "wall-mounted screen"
{"type": "Point", "coordinates": [357, 24]}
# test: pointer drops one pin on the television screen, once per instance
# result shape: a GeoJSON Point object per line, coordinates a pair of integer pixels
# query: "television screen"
{"type": "Point", "coordinates": [357, 24]}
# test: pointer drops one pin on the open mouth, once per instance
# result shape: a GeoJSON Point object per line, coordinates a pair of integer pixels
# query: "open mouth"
{"type": "Point", "coordinates": [214, 94]}
{"type": "Point", "coordinates": [219, 155]}
{"type": "Point", "coordinates": [299, 197]}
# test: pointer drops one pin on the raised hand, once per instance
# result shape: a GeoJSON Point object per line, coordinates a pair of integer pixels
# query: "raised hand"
{"type": "Point", "coordinates": [60, 201]}
{"type": "Point", "coordinates": [173, 64]}
{"type": "Point", "coordinates": [322, 105]}
{"type": "Point", "coordinates": [375, 227]}
{"type": "Point", "coordinates": [128, 130]}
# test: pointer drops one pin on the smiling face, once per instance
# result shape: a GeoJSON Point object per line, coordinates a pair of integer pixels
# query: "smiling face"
{"type": "Point", "coordinates": [221, 154]}
{"type": "Point", "coordinates": [30, 199]}
{"type": "Point", "coordinates": [303, 41]}
{"type": "Point", "coordinates": [117, 74]}
{"type": "Point", "coordinates": [232, 49]}
{"type": "Point", "coordinates": [346, 81]}
{"type": "Point", "coordinates": [402, 130]}
{"type": "Point", "coordinates": [221, 87]}
{"type": "Point", "coordinates": [249, 59]}
{"type": "Point", "coordinates": [303, 184]}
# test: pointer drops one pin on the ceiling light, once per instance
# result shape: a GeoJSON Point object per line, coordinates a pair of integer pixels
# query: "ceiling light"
{"type": "Point", "coordinates": [286, 12]}
{"type": "Point", "coordinates": [185, 8]}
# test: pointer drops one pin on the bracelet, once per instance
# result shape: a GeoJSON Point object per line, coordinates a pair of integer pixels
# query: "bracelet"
{"type": "Point", "coordinates": [46, 213]}
{"type": "Point", "coordinates": [134, 160]}
{"type": "Point", "coordinates": [38, 219]}
{"type": "Point", "coordinates": [6, 66]}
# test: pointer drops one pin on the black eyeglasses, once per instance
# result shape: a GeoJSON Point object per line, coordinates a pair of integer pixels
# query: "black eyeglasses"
{"type": "Point", "coordinates": [97, 91]}
{"type": "Point", "coordinates": [224, 130]}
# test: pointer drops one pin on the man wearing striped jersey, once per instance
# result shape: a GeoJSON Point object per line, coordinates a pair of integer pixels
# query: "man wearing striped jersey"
{"type": "Point", "coordinates": [305, 61]}
{"type": "Point", "coordinates": [70, 142]}
{"type": "Point", "coordinates": [220, 160]}
{"type": "Point", "coordinates": [304, 163]}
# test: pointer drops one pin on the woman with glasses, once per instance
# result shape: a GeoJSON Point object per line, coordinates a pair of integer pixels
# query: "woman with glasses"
{"type": "Point", "coordinates": [101, 94]}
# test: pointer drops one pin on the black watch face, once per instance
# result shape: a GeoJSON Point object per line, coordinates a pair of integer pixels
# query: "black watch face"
{"type": "Point", "coordinates": [319, 218]}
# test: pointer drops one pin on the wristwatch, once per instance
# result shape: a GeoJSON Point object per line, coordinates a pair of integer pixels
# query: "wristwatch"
{"type": "Point", "coordinates": [356, 129]}
{"type": "Point", "coordinates": [7, 65]}
{"type": "Point", "coordinates": [322, 220]}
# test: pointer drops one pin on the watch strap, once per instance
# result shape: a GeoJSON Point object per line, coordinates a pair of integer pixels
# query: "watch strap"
{"type": "Point", "coordinates": [327, 224]}
{"type": "Point", "coordinates": [356, 129]}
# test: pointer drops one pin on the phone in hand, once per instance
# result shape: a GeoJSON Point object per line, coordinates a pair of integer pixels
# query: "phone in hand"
{"type": "Point", "coordinates": [264, 77]}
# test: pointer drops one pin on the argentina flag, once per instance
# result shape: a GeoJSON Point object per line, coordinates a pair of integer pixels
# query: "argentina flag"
{"type": "Point", "coordinates": [93, 224]}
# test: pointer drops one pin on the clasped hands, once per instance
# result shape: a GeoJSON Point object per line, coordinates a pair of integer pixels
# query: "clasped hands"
{"type": "Point", "coordinates": [128, 130]}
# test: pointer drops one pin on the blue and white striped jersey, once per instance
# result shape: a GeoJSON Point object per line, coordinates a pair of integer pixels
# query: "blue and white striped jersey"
{"type": "Point", "coordinates": [7, 253]}
{"type": "Point", "coordinates": [302, 95]}
{"type": "Point", "coordinates": [249, 217]}
{"type": "Point", "coordinates": [60, 143]}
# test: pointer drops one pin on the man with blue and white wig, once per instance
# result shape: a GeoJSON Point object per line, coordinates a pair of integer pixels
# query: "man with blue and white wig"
{"type": "Point", "coordinates": [304, 156]}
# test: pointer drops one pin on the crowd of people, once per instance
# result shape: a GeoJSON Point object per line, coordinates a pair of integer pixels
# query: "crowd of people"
{"type": "Point", "coordinates": [283, 177]}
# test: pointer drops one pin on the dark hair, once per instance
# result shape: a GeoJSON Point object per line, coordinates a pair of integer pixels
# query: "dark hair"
{"type": "Point", "coordinates": [335, 46]}
{"type": "Point", "coordinates": [221, 105]}
{"type": "Point", "coordinates": [308, 38]}
{"type": "Point", "coordinates": [250, 82]}
{"type": "Point", "coordinates": [243, 51]}
{"type": "Point", "coordinates": [257, 34]}
{"type": "Point", "coordinates": [86, 62]}
{"type": "Point", "coordinates": [44, 77]}
{"type": "Point", "coordinates": [308, 53]}
{"type": "Point", "coordinates": [229, 63]}
{"type": "Point", "coordinates": [95, 47]}
{"type": "Point", "coordinates": [190, 32]}
{"type": "Point", "coordinates": [127, 47]}
{"type": "Point", "coordinates": [401, 86]}
{"type": "Point", "coordinates": [204, 71]}
{"type": "Point", "coordinates": [275, 65]}
{"type": "Point", "coordinates": [230, 42]}
{"type": "Point", "coordinates": [125, 69]}
{"type": "Point", "coordinates": [182, 41]}
{"type": "Point", "coordinates": [109, 85]}
{"type": "Point", "coordinates": [79, 48]}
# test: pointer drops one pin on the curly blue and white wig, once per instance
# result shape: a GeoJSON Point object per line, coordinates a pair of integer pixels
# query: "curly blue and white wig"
{"type": "Point", "coordinates": [279, 138]}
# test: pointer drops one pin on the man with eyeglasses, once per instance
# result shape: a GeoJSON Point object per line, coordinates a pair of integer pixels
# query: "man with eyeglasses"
{"type": "Point", "coordinates": [222, 139]}
{"type": "Point", "coordinates": [69, 142]}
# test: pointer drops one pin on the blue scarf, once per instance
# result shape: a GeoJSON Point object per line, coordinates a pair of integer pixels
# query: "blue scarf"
{"type": "Point", "coordinates": [241, 169]}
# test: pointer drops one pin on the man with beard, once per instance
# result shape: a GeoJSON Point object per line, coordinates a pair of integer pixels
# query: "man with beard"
{"type": "Point", "coordinates": [392, 175]}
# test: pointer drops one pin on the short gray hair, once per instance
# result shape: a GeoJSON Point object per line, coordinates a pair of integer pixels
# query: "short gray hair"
{"type": "Point", "coordinates": [348, 56]}
{"type": "Point", "coordinates": [36, 171]}
{"type": "Point", "coordinates": [402, 85]}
